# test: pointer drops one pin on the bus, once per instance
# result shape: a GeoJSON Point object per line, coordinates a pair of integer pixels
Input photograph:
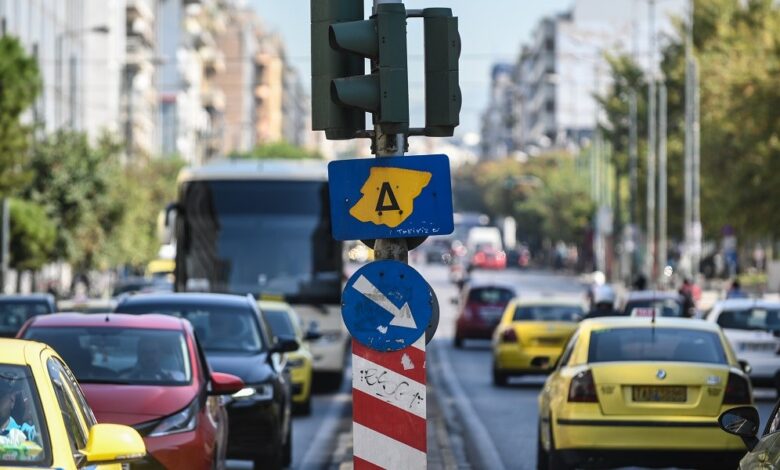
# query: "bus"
{"type": "Point", "coordinates": [263, 227]}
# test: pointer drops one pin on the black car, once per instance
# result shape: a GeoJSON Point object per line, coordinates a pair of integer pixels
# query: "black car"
{"type": "Point", "coordinates": [237, 340]}
{"type": "Point", "coordinates": [17, 309]}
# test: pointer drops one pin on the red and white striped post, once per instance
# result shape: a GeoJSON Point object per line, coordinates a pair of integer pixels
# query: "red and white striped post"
{"type": "Point", "coordinates": [389, 408]}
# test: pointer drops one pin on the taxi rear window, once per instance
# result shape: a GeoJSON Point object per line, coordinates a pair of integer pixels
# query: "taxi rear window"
{"type": "Point", "coordinates": [656, 344]}
{"type": "Point", "coordinates": [548, 313]}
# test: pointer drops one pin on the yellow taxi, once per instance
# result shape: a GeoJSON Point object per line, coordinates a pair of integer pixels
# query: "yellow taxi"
{"type": "Point", "coordinates": [45, 420]}
{"type": "Point", "coordinates": [531, 335]}
{"type": "Point", "coordinates": [284, 321]}
{"type": "Point", "coordinates": [633, 391]}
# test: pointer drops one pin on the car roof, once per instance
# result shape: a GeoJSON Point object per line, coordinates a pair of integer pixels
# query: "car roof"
{"type": "Point", "coordinates": [17, 297]}
{"type": "Point", "coordinates": [488, 284]}
{"type": "Point", "coordinates": [12, 351]}
{"type": "Point", "coordinates": [540, 300]}
{"type": "Point", "coordinates": [602, 323]}
{"type": "Point", "coordinates": [273, 305]}
{"type": "Point", "coordinates": [745, 303]}
{"type": "Point", "coordinates": [652, 295]}
{"type": "Point", "coordinates": [264, 169]}
{"type": "Point", "coordinates": [186, 298]}
{"type": "Point", "coordinates": [113, 320]}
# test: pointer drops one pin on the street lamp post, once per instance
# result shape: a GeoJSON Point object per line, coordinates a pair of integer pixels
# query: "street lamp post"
{"type": "Point", "coordinates": [101, 29]}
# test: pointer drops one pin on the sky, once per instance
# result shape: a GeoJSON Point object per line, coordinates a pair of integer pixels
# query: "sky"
{"type": "Point", "coordinates": [491, 31]}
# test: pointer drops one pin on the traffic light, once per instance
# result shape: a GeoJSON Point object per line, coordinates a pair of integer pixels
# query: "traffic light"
{"type": "Point", "coordinates": [442, 90]}
{"type": "Point", "coordinates": [327, 64]}
{"type": "Point", "coordinates": [385, 92]}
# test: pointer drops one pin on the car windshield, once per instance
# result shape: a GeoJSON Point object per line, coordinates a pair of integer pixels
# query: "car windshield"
{"type": "Point", "coordinates": [13, 314]}
{"type": "Point", "coordinates": [280, 322]}
{"type": "Point", "coordinates": [662, 308]}
{"type": "Point", "coordinates": [548, 313]}
{"type": "Point", "coordinates": [23, 437]}
{"type": "Point", "coordinates": [655, 344]}
{"type": "Point", "coordinates": [130, 356]}
{"type": "Point", "coordinates": [750, 319]}
{"type": "Point", "coordinates": [490, 295]}
{"type": "Point", "coordinates": [218, 327]}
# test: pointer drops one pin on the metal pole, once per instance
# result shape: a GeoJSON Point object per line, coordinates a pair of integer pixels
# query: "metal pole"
{"type": "Point", "coordinates": [389, 145]}
{"type": "Point", "coordinates": [72, 92]}
{"type": "Point", "coordinates": [5, 241]}
{"type": "Point", "coordinates": [688, 196]}
{"type": "Point", "coordinates": [58, 83]}
{"type": "Point", "coordinates": [651, 145]}
{"type": "Point", "coordinates": [662, 182]}
{"type": "Point", "coordinates": [696, 176]}
{"type": "Point", "coordinates": [633, 158]}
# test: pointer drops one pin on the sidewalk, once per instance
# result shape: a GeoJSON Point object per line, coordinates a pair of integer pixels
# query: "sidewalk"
{"type": "Point", "coordinates": [440, 449]}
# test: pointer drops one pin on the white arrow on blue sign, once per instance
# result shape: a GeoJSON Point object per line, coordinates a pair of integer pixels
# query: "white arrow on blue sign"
{"type": "Point", "coordinates": [387, 305]}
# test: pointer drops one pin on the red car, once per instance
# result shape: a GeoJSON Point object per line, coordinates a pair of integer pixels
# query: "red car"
{"type": "Point", "coordinates": [481, 307]}
{"type": "Point", "coordinates": [146, 372]}
{"type": "Point", "coordinates": [488, 258]}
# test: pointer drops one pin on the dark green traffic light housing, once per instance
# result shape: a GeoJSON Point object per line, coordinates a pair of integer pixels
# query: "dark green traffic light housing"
{"type": "Point", "coordinates": [341, 92]}
{"type": "Point", "coordinates": [443, 98]}
{"type": "Point", "coordinates": [328, 64]}
{"type": "Point", "coordinates": [385, 92]}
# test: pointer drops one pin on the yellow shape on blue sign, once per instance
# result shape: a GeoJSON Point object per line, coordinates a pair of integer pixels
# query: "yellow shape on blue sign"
{"type": "Point", "coordinates": [388, 195]}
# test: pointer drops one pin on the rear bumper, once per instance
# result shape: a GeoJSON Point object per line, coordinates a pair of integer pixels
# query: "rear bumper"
{"type": "Point", "coordinates": [513, 358]}
{"type": "Point", "coordinates": [639, 433]}
{"type": "Point", "coordinates": [654, 459]}
{"type": "Point", "coordinates": [474, 329]}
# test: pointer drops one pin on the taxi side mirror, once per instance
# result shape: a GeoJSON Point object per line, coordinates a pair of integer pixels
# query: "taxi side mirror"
{"type": "Point", "coordinates": [746, 368]}
{"type": "Point", "coordinates": [742, 421]}
{"type": "Point", "coordinates": [112, 444]}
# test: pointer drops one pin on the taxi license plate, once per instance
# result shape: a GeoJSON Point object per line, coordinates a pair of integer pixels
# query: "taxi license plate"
{"type": "Point", "coordinates": [659, 394]}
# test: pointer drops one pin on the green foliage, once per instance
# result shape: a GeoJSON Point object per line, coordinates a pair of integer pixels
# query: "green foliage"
{"type": "Point", "coordinates": [548, 196]}
{"type": "Point", "coordinates": [33, 235]}
{"type": "Point", "coordinates": [737, 47]}
{"type": "Point", "coordinates": [19, 86]}
{"type": "Point", "coordinates": [106, 212]}
{"type": "Point", "coordinates": [281, 149]}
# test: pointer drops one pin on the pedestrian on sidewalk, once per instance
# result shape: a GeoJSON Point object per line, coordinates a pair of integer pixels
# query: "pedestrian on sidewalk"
{"type": "Point", "coordinates": [735, 291]}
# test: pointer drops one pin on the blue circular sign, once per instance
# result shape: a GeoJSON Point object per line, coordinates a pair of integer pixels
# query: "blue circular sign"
{"type": "Point", "coordinates": [387, 305]}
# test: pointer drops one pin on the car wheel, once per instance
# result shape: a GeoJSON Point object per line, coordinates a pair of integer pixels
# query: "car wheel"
{"type": "Point", "coordinates": [287, 450]}
{"type": "Point", "coordinates": [500, 379]}
{"type": "Point", "coordinates": [542, 459]}
{"type": "Point", "coordinates": [458, 342]}
{"type": "Point", "coordinates": [554, 459]}
{"type": "Point", "coordinates": [303, 409]}
{"type": "Point", "coordinates": [328, 382]}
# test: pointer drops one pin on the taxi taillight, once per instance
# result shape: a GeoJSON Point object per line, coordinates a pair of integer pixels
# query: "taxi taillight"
{"type": "Point", "coordinates": [509, 336]}
{"type": "Point", "coordinates": [582, 388]}
{"type": "Point", "coordinates": [737, 391]}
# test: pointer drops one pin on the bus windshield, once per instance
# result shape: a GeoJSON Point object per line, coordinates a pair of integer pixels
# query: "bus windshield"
{"type": "Point", "coordinates": [260, 237]}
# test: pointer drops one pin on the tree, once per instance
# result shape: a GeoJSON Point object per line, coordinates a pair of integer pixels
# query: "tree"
{"type": "Point", "coordinates": [33, 235]}
{"type": "Point", "coordinates": [280, 149]}
{"type": "Point", "coordinates": [19, 86]}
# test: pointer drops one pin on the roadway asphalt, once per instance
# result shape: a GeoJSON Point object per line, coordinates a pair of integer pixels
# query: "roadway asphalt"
{"type": "Point", "coordinates": [492, 427]}
{"type": "Point", "coordinates": [499, 424]}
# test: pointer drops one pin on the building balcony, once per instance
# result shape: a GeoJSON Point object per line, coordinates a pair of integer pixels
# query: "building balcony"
{"type": "Point", "coordinates": [213, 99]}
{"type": "Point", "coordinates": [139, 9]}
{"type": "Point", "coordinates": [213, 60]}
{"type": "Point", "coordinates": [142, 29]}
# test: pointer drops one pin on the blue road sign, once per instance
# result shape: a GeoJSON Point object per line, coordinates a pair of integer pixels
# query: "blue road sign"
{"type": "Point", "coordinates": [390, 197]}
{"type": "Point", "coordinates": [387, 305]}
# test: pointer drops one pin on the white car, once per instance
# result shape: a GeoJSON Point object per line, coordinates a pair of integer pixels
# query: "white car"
{"type": "Point", "coordinates": [750, 326]}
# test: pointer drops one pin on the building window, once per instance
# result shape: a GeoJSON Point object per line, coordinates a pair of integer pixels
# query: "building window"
{"type": "Point", "coordinates": [549, 106]}
{"type": "Point", "coordinates": [549, 44]}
